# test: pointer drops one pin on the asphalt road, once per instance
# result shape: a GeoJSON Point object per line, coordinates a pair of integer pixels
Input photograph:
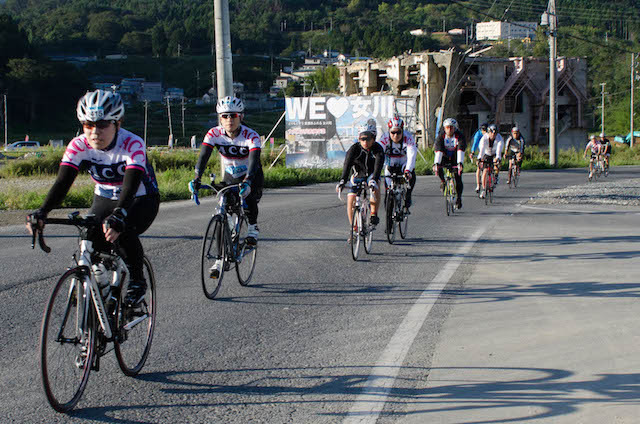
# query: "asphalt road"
{"type": "Point", "coordinates": [316, 337]}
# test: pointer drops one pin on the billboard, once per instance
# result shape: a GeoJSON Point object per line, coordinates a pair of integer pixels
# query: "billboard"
{"type": "Point", "coordinates": [319, 130]}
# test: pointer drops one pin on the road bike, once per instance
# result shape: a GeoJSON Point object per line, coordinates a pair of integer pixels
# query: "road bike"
{"type": "Point", "coordinates": [488, 195]}
{"type": "Point", "coordinates": [85, 312]}
{"type": "Point", "coordinates": [514, 173]}
{"type": "Point", "coordinates": [361, 229]}
{"type": "Point", "coordinates": [449, 192]}
{"type": "Point", "coordinates": [396, 211]}
{"type": "Point", "coordinates": [596, 171]}
{"type": "Point", "coordinates": [224, 244]}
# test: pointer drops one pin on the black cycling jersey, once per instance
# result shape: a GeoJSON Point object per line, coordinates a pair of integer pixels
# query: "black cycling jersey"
{"type": "Point", "coordinates": [607, 146]}
{"type": "Point", "coordinates": [364, 162]}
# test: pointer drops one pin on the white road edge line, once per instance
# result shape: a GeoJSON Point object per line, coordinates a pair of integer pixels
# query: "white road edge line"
{"type": "Point", "coordinates": [540, 208]}
{"type": "Point", "coordinates": [371, 401]}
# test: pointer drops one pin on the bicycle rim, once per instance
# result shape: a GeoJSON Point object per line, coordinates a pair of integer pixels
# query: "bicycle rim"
{"type": "Point", "coordinates": [135, 327]}
{"type": "Point", "coordinates": [452, 196]}
{"type": "Point", "coordinates": [356, 225]}
{"type": "Point", "coordinates": [515, 178]}
{"type": "Point", "coordinates": [491, 196]}
{"type": "Point", "coordinates": [212, 250]}
{"type": "Point", "coordinates": [447, 205]}
{"type": "Point", "coordinates": [391, 222]}
{"type": "Point", "coordinates": [246, 256]}
{"type": "Point", "coordinates": [403, 225]}
{"type": "Point", "coordinates": [367, 233]}
{"type": "Point", "coordinates": [64, 371]}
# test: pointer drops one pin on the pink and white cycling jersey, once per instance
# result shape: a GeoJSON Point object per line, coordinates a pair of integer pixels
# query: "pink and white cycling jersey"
{"type": "Point", "coordinates": [234, 153]}
{"type": "Point", "coordinates": [594, 146]}
{"type": "Point", "coordinates": [399, 154]}
{"type": "Point", "coordinates": [107, 167]}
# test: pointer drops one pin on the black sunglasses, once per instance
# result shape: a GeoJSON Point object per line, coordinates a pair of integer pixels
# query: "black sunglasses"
{"type": "Point", "coordinates": [396, 132]}
{"type": "Point", "coordinates": [229, 115]}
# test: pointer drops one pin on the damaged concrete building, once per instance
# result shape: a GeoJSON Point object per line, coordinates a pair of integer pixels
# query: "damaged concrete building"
{"type": "Point", "coordinates": [475, 89]}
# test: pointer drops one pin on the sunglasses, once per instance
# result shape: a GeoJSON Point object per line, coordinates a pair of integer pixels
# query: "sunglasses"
{"type": "Point", "coordinates": [396, 132]}
{"type": "Point", "coordinates": [229, 115]}
{"type": "Point", "coordinates": [101, 125]}
{"type": "Point", "coordinates": [364, 138]}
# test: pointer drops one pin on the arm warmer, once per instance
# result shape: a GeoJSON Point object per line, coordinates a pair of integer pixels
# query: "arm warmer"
{"type": "Point", "coordinates": [346, 168]}
{"type": "Point", "coordinates": [60, 188]}
{"type": "Point", "coordinates": [254, 163]}
{"type": "Point", "coordinates": [205, 153]}
{"type": "Point", "coordinates": [132, 178]}
{"type": "Point", "coordinates": [412, 152]}
{"type": "Point", "coordinates": [377, 170]}
{"type": "Point", "coordinates": [437, 158]}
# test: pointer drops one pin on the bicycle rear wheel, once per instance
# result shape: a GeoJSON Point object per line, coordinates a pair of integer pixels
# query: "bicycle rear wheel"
{"type": "Point", "coordinates": [403, 225]}
{"type": "Point", "coordinates": [67, 341]}
{"type": "Point", "coordinates": [213, 249]}
{"type": "Point", "coordinates": [356, 226]}
{"type": "Point", "coordinates": [391, 222]}
{"type": "Point", "coordinates": [134, 329]}
{"type": "Point", "coordinates": [245, 254]}
{"type": "Point", "coordinates": [447, 203]}
{"type": "Point", "coordinates": [516, 176]}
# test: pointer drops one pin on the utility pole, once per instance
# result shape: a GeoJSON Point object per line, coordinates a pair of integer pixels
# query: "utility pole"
{"type": "Point", "coordinates": [146, 113]}
{"type": "Point", "coordinates": [169, 114]}
{"type": "Point", "coordinates": [197, 82]}
{"type": "Point", "coordinates": [633, 79]}
{"type": "Point", "coordinates": [183, 117]}
{"type": "Point", "coordinates": [602, 106]}
{"type": "Point", "coordinates": [223, 48]}
{"type": "Point", "coordinates": [553, 154]}
{"type": "Point", "coordinates": [6, 132]}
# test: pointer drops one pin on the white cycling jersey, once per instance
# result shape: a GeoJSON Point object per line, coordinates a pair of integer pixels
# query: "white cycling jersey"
{"type": "Point", "coordinates": [234, 152]}
{"type": "Point", "coordinates": [399, 155]}
{"type": "Point", "coordinates": [487, 148]}
{"type": "Point", "coordinates": [107, 167]}
{"type": "Point", "coordinates": [594, 146]}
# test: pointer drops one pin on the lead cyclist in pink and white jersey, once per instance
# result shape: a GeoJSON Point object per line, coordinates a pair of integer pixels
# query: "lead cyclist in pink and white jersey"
{"type": "Point", "coordinates": [400, 151]}
{"type": "Point", "coordinates": [126, 195]}
{"type": "Point", "coordinates": [239, 148]}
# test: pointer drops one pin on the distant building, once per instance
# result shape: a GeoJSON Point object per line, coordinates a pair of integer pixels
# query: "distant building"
{"type": "Point", "coordinates": [174, 93]}
{"type": "Point", "coordinates": [151, 92]}
{"type": "Point", "coordinates": [498, 30]}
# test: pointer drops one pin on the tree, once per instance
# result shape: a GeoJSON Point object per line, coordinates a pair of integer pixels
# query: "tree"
{"type": "Point", "coordinates": [13, 41]}
{"type": "Point", "coordinates": [136, 42]}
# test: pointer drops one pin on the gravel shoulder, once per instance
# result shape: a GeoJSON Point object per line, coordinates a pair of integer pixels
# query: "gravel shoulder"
{"type": "Point", "coordinates": [620, 193]}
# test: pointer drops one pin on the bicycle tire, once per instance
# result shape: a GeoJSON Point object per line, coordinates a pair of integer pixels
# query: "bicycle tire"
{"type": "Point", "coordinates": [213, 248]}
{"type": "Point", "coordinates": [65, 302]}
{"type": "Point", "coordinates": [447, 203]}
{"type": "Point", "coordinates": [355, 233]}
{"type": "Point", "coordinates": [491, 196]}
{"type": "Point", "coordinates": [390, 218]}
{"type": "Point", "coordinates": [132, 345]}
{"type": "Point", "coordinates": [452, 196]}
{"type": "Point", "coordinates": [246, 253]}
{"type": "Point", "coordinates": [367, 233]}
{"type": "Point", "coordinates": [516, 177]}
{"type": "Point", "coordinates": [404, 224]}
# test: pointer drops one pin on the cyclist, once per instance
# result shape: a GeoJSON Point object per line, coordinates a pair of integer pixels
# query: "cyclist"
{"type": "Point", "coordinates": [606, 149]}
{"type": "Point", "coordinates": [449, 150]}
{"type": "Point", "coordinates": [474, 148]}
{"type": "Point", "coordinates": [489, 152]}
{"type": "Point", "coordinates": [364, 160]}
{"type": "Point", "coordinates": [514, 150]}
{"type": "Point", "coordinates": [596, 148]}
{"type": "Point", "coordinates": [239, 148]}
{"type": "Point", "coordinates": [400, 151]}
{"type": "Point", "coordinates": [126, 195]}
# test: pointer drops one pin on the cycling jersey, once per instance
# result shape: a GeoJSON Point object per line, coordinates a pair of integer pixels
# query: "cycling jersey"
{"type": "Point", "coordinates": [594, 146]}
{"type": "Point", "coordinates": [399, 155]}
{"type": "Point", "coordinates": [107, 167]}
{"type": "Point", "coordinates": [365, 163]}
{"type": "Point", "coordinates": [515, 145]}
{"type": "Point", "coordinates": [606, 144]}
{"type": "Point", "coordinates": [449, 150]}
{"type": "Point", "coordinates": [490, 148]}
{"type": "Point", "coordinates": [234, 152]}
{"type": "Point", "coordinates": [476, 140]}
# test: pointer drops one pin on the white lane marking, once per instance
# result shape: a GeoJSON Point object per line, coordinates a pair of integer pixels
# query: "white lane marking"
{"type": "Point", "coordinates": [370, 402]}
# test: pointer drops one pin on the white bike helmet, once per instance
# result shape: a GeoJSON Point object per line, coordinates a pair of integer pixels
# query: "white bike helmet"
{"type": "Point", "coordinates": [450, 122]}
{"type": "Point", "coordinates": [396, 122]}
{"type": "Point", "coordinates": [515, 129]}
{"type": "Point", "coordinates": [492, 128]}
{"type": "Point", "coordinates": [100, 105]}
{"type": "Point", "coordinates": [367, 127]}
{"type": "Point", "coordinates": [230, 104]}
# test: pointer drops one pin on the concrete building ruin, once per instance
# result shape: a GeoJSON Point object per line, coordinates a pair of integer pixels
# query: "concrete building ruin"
{"type": "Point", "coordinates": [505, 91]}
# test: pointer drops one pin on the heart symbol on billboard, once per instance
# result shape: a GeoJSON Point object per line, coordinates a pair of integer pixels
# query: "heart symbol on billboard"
{"type": "Point", "coordinates": [337, 106]}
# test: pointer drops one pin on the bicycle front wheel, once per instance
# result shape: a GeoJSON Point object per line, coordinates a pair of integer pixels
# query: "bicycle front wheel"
{"type": "Point", "coordinates": [391, 222]}
{"type": "Point", "coordinates": [516, 176]}
{"type": "Point", "coordinates": [245, 253]}
{"type": "Point", "coordinates": [134, 329]}
{"type": "Point", "coordinates": [367, 232]}
{"type": "Point", "coordinates": [403, 225]}
{"type": "Point", "coordinates": [447, 203]}
{"type": "Point", "coordinates": [356, 226]}
{"type": "Point", "coordinates": [213, 255]}
{"type": "Point", "coordinates": [67, 341]}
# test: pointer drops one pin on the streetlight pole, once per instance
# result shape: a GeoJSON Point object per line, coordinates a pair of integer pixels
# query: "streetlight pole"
{"type": "Point", "coordinates": [6, 127]}
{"type": "Point", "coordinates": [633, 79]}
{"type": "Point", "coordinates": [553, 154]}
{"type": "Point", "coordinates": [602, 106]}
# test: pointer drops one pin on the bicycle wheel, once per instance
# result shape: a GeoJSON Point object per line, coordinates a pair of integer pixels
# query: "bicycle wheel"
{"type": "Point", "coordinates": [134, 328]}
{"type": "Point", "coordinates": [491, 196]}
{"type": "Point", "coordinates": [367, 231]}
{"type": "Point", "coordinates": [67, 341]}
{"type": "Point", "coordinates": [212, 250]}
{"type": "Point", "coordinates": [452, 196]}
{"type": "Point", "coordinates": [403, 225]}
{"type": "Point", "coordinates": [356, 226]}
{"type": "Point", "coordinates": [245, 253]}
{"type": "Point", "coordinates": [390, 218]}
{"type": "Point", "coordinates": [447, 203]}
{"type": "Point", "coordinates": [516, 176]}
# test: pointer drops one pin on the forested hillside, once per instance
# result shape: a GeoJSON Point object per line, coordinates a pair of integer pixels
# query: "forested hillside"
{"type": "Point", "coordinates": [603, 31]}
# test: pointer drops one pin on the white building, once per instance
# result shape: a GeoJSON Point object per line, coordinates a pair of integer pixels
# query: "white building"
{"type": "Point", "coordinates": [498, 30]}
